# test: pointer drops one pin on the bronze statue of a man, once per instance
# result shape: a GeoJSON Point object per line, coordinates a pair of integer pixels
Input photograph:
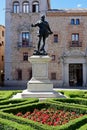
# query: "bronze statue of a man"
{"type": "Point", "coordinates": [44, 32]}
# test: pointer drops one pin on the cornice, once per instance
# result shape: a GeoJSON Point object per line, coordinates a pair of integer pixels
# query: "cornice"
{"type": "Point", "coordinates": [66, 13]}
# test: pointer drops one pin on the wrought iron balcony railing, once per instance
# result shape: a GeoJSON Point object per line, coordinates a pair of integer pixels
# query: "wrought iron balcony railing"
{"type": "Point", "coordinates": [24, 45]}
{"type": "Point", "coordinates": [75, 44]}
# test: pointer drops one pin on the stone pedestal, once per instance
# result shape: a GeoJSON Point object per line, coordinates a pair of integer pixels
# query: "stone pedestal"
{"type": "Point", "coordinates": [39, 81]}
{"type": "Point", "coordinates": [39, 85]}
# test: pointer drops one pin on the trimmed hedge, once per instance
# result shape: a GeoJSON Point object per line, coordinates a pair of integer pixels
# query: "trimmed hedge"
{"type": "Point", "coordinates": [26, 107]}
{"type": "Point", "coordinates": [10, 125]}
{"type": "Point", "coordinates": [31, 107]}
{"type": "Point", "coordinates": [4, 95]}
{"type": "Point", "coordinates": [64, 102]}
{"type": "Point", "coordinates": [20, 120]}
{"type": "Point", "coordinates": [75, 94]}
{"type": "Point", "coordinates": [12, 101]}
{"type": "Point", "coordinates": [71, 100]}
{"type": "Point", "coordinates": [74, 124]}
{"type": "Point", "coordinates": [18, 102]}
{"type": "Point", "coordinates": [84, 127]}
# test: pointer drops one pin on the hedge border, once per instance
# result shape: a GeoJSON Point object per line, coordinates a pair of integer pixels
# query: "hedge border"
{"type": "Point", "coordinates": [58, 101]}
{"type": "Point", "coordinates": [71, 100]}
{"type": "Point", "coordinates": [18, 102]}
{"type": "Point", "coordinates": [10, 125]}
{"type": "Point", "coordinates": [30, 107]}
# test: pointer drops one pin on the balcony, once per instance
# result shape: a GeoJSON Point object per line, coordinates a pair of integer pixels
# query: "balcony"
{"type": "Point", "coordinates": [24, 45]}
{"type": "Point", "coordinates": [75, 44]}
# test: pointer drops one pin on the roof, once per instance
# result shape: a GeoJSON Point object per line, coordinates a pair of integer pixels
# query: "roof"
{"type": "Point", "coordinates": [67, 12]}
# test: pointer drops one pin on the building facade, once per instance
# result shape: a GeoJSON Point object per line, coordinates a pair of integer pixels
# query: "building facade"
{"type": "Point", "coordinates": [2, 46]}
{"type": "Point", "coordinates": [67, 46]}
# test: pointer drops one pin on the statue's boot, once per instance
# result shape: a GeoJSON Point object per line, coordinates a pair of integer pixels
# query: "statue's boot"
{"type": "Point", "coordinates": [42, 49]}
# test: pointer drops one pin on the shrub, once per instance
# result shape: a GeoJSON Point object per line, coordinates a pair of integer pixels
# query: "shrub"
{"type": "Point", "coordinates": [70, 101]}
{"type": "Point", "coordinates": [17, 102]}
{"type": "Point", "coordinates": [10, 125]}
{"type": "Point", "coordinates": [31, 107]}
{"type": "Point", "coordinates": [74, 94]}
{"type": "Point", "coordinates": [7, 94]}
{"type": "Point", "coordinates": [83, 127]}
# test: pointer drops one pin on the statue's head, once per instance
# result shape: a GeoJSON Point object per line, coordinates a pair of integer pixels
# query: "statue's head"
{"type": "Point", "coordinates": [42, 17]}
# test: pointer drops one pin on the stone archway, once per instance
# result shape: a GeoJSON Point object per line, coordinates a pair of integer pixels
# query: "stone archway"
{"type": "Point", "coordinates": [75, 58]}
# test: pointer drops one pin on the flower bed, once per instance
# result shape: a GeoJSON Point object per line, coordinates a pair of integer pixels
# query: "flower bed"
{"type": "Point", "coordinates": [50, 116]}
{"type": "Point", "coordinates": [26, 111]}
{"type": "Point", "coordinates": [51, 120]}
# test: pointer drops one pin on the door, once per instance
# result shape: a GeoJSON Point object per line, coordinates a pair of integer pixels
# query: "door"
{"type": "Point", "coordinates": [75, 74]}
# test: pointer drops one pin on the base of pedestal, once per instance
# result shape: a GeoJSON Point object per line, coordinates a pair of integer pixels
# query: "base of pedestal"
{"type": "Point", "coordinates": [40, 89]}
{"type": "Point", "coordinates": [40, 85]}
{"type": "Point", "coordinates": [53, 94]}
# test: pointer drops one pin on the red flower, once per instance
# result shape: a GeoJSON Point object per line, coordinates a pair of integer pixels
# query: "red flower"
{"type": "Point", "coordinates": [19, 114]}
{"type": "Point", "coordinates": [50, 116]}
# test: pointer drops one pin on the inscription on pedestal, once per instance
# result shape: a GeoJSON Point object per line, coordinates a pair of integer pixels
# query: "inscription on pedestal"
{"type": "Point", "coordinates": [40, 70]}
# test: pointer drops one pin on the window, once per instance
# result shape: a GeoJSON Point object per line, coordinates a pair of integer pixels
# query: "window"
{"type": "Point", "coordinates": [16, 7]}
{"type": "Point", "coordinates": [75, 37]}
{"type": "Point", "coordinates": [25, 39]}
{"type": "Point", "coordinates": [25, 56]}
{"type": "Point", "coordinates": [26, 7]}
{"type": "Point", "coordinates": [55, 38]}
{"type": "Point", "coordinates": [53, 76]}
{"type": "Point", "coordinates": [53, 57]}
{"type": "Point", "coordinates": [75, 21]}
{"type": "Point", "coordinates": [72, 21]}
{"type": "Point", "coordinates": [75, 41]}
{"type": "Point", "coordinates": [35, 7]}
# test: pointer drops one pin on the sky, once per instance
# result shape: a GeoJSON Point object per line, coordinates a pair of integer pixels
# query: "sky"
{"type": "Point", "coordinates": [55, 4]}
{"type": "Point", "coordinates": [62, 4]}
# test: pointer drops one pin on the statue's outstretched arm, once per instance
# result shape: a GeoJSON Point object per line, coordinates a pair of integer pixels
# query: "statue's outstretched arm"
{"type": "Point", "coordinates": [34, 25]}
